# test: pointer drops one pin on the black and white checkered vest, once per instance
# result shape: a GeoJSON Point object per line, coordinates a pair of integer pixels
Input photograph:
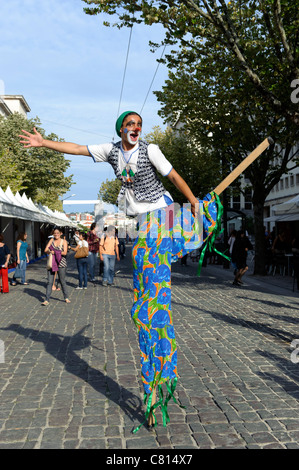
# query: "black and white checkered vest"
{"type": "Point", "coordinates": [146, 185]}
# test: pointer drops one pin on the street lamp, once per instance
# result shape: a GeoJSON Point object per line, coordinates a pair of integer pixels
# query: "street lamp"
{"type": "Point", "coordinates": [68, 197]}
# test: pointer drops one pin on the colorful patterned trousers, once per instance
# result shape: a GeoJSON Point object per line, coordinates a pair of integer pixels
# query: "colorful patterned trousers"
{"type": "Point", "coordinates": [163, 237]}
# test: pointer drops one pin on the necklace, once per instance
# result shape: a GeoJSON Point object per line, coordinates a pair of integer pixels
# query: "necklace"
{"type": "Point", "coordinates": [123, 154]}
{"type": "Point", "coordinates": [127, 173]}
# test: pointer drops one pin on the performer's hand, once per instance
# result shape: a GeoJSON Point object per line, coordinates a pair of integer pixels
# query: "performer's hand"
{"type": "Point", "coordinates": [195, 207]}
{"type": "Point", "coordinates": [31, 140]}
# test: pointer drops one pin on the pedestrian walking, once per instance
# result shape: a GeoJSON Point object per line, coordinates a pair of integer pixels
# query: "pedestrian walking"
{"type": "Point", "coordinates": [101, 263]}
{"type": "Point", "coordinates": [76, 237]}
{"type": "Point", "coordinates": [57, 250]}
{"type": "Point", "coordinates": [239, 256]}
{"type": "Point", "coordinates": [22, 260]}
{"type": "Point", "coordinates": [108, 251]}
{"type": "Point", "coordinates": [93, 245]}
{"type": "Point", "coordinates": [122, 246]}
{"type": "Point", "coordinates": [82, 261]}
{"type": "Point", "coordinates": [4, 260]}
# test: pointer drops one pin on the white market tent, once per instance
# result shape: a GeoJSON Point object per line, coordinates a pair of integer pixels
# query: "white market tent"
{"type": "Point", "coordinates": [287, 211]}
{"type": "Point", "coordinates": [290, 205]}
{"type": "Point", "coordinates": [20, 207]}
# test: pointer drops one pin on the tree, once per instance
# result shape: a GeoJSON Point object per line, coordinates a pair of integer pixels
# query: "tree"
{"type": "Point", "coordinates": [9, 175]}
{"type": "Point", "coordinates": [109, 191]}
{"type": "Point", "coordinates": [231, 80]}
{"type": "Point", "coordinates": [259, 37]}
{"type": "Point", "coordinates": [228, 123]}
{"type": "Point", "coordinates": [37, 171]}
{"type": "Point", "coordinates": [189, 161]}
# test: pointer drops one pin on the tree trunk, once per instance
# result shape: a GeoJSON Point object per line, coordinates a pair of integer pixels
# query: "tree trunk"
{"type": "Point", "coordinates": [259, 260]}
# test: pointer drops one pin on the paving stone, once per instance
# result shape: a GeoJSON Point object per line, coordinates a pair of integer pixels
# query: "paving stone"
{"type": "Point", "coordinates": [71, 377]}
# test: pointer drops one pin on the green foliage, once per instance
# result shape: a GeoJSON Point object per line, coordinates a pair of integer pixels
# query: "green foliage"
{"type": "Point", "coordinates": [230, 81]}
{"type": "Point", "coordinates": [39, 172]}
{"type": "Point", "coordinates": [9, 175]}
{"type": "Point", "coordinates": [192, 163]}
{"type": "Point", "coordinates": [257, 37]}
{"type": "Point", "coordinates": [109, 191]}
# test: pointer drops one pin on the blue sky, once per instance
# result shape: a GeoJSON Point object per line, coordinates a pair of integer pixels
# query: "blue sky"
{"type": "Point", "coordinates": [69, 68]}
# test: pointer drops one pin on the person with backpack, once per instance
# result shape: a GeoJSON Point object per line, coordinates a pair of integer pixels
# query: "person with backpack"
{"type": "Point", "coordinates": [93, 245]}
{"type": "Point", "coordinates": [108, 251]}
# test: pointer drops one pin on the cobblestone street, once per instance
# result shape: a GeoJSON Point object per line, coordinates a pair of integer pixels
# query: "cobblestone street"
{"type": "Point", "coordinates": [71, 374]}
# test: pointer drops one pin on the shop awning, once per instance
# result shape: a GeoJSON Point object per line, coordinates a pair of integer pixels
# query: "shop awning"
{"type": "Point", "coordinates": [22, 207]}
{"type": "Point", "coordinates": [290, 205]}
{"type": "Point", "coordinates": [283, 218]}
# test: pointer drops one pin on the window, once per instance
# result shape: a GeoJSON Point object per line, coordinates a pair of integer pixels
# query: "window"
{"type": "Point", "coordinates": [236, 202]}
{"type": "Point", "coordinates": [248, 199]}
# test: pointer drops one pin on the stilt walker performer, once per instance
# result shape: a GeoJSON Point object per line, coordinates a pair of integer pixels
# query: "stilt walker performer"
{"type": "Point", "coordinates": [166, 232]}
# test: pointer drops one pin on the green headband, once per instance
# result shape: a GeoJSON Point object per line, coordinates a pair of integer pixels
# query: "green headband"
{"type": "Point", "coordinates": [120, 121]}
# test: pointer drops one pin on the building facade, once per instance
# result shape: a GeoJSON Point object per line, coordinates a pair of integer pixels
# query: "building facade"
{"type": "Point", "coordinates": [20, 214]}
{"type": "Point", "coordinates": [10, 104]}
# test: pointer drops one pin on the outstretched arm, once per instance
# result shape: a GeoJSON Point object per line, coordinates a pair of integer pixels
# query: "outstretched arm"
{"type": "Point", "coordinates": [182, 186]}
{"type": "Point", "coordinates": [37, 140]}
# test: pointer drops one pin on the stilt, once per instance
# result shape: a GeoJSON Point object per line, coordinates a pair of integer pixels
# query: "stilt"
{"type": "Point", "coordinates": [151, 419]}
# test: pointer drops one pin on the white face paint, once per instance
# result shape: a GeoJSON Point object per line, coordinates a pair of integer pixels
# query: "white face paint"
{"type": "Point", "coordinates": [132, 129]}
{"type": "Point", "coordinates": [132, 136]}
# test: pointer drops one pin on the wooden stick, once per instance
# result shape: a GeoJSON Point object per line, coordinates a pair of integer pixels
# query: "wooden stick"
{"type": "Point", "coordinates": [243, 165]}
{"type": "Point", "coordinates": [151, 419]}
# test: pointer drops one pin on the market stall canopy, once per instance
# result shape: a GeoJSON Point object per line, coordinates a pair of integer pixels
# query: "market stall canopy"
{"type": "Point", "coordinates": [283, 218]}
{"type": "Point", "coordinates": [287, 211]}
{"type": "Point", "coordinates": [290, 205]}
{"type": "Point", "coordinates": [22, 207]}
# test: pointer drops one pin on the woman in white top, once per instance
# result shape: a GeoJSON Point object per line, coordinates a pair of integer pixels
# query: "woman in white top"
{"type": "Point", "coordinates": [82, 262]}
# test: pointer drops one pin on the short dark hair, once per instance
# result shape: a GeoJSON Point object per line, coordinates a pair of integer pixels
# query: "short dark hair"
{"type": "Point", "coordinates": [1, 237]}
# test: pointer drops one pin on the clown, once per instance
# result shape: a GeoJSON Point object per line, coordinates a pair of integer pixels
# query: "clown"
{"type": "Point", "coordinates": [136, 163]}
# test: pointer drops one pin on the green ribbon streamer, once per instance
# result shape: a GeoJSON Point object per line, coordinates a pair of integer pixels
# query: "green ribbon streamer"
{"type": "Point", "coordinates": [210, 244]}
{"type": "Point", "coordinates": [150, 408]}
